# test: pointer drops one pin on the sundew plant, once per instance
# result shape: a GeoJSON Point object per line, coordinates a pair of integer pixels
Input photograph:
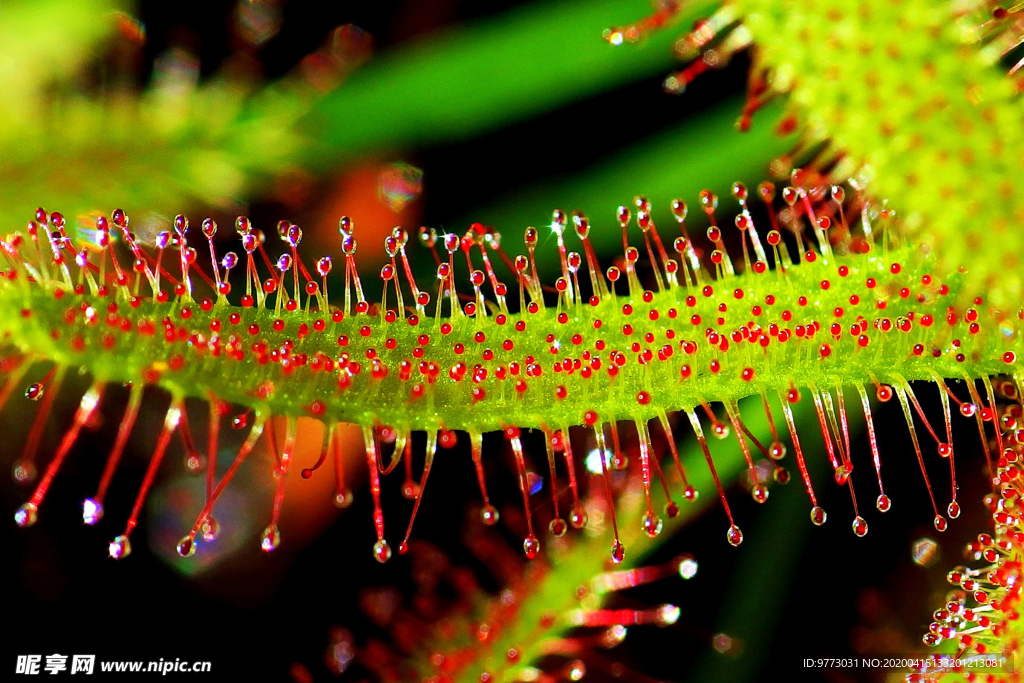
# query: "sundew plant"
{"type": "Point", "coordinates": [553, 342]}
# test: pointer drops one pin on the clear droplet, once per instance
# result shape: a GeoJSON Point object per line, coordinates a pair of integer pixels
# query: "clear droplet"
{"type": "Point", "coordinates": [777, 451]}
{"type": "Point", "coordinates": [860, 527]}
{"type": "Point", "coordinates": [924, 551]}
{"type": "Point", "coordinates": [558, 527]}
{"type": "Point", "coordinates": [953, 510]}
{"type": "Point", "coordinates": [687, 567]}
{"type": "Point", "coordinates": [23, 472]}
{"type": "Point", "coordinates": [26, 515]}
{"type": "Point", "coordinates": [734, 535]}
{"type": "Point", "coordinates": [186, 547]}
{"type": "Point", "coordinates": [671, 510]}
{"type": "Point", "coordinates": [759, 493]}
{"type": "Point", "coordinates": [343, 498]}
{"type": "Point", "coordinates": [940, 523]}
{"type": "Point", "coordinates": [92, 511]}
{"type": "Point", "coordinates": [619, 461]}
{"type": "Point", "coordinates": [120, 548]}
{"type": "Point", "coordinates": [720, 430]}
{"type": "Point", "coordinates": [410, 490]}
{"type": "Point", "coordinates": [668, 614]}
{"type": "Point", "coordinates": [270, 539]}
{"type": "Point", "coordinates": [194, 463]}
{"type": "Point", "coordinates": [531, 546]}
{"type": "Point", "coordinates": [618, 552]}
{"type": "Point", "coordinates": [381, 551]}
{"type": "Point", "coordinates": [883, 503]}
{"type": "Point", "coordinates": [652, 524]}
{"type": "Point", "coordinates": [490, 515]}
{"type": "Point", "coordinates": [34, 392]}
{"type": "Point", "coordinates": [578, 518]}
{"type": "Point", "coordinates": [210, 528]}
{"type": "Point", "coordinates": [818, 516]}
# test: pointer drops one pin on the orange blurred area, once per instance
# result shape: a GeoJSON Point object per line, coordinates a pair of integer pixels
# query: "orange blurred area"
{"type": "Point", "coordinates": [308, 503]}
{"type": "Point", "coordinates": [377, 196]}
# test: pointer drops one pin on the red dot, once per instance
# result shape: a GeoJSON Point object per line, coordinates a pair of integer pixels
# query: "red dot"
{"type": "Point", "coordinates": [643, 398]}
{"type": "Point", "coordinates": [1009, 357]}
{"type": "Point", "coordinates": [748, 374]}
{"type": "Point", "coordinates": [590, 418]}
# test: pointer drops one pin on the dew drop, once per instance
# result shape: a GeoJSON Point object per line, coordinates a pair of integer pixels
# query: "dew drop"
{"type": "Point", "coordinates": [410, 490]}
{"type": "Point", "coordinates": [671, 510]}
{"type": "Point", "coordinates": [734, 535]}
{"type": "Point", "coordinates": [968, 409]}
{"type": "Point", "coordinates": [759, 493]}
{"type": "Point", "coordinates": [490, 515]}
{"type": "Point", "coordinates": [781, 475]}
{"type": "Point", "coordinates": [34, 392]}
{"type": "Point", "coordinates": [953, 510]}
{"type": "Point", "coordinates": [186, 547]}
{"type": "Point", "coordinates": [687, 567]}
{"type": "Point", "coordinates": [210, 529]}
{"type": "Point", "coordinates": [120, 548]}
{"type": "Point", "coordinates": [194, 463]}
{"type": "Point", "coordinates": [883, 503]}
{"type": "Point", "coordinates": [92, 511]}
{"type": "Point", "coordinates": [26, 515]}
{"type": "Point", "coordinates": [924, 551]}
{"type": "Point", "coordinates": [652, 524]}
{"type": "Point", "coordinates": [860, 527]}
{"type": "Point", "coordinates": [342, 499]}
{"type": "Point", "coordinates": [557, 527]}
{"type": "Point", "coordinates": [578, 518]}
{"type": "Point", "coordinates": [531, 546]}
{"type": "Point", "coordinates": [818, 516]}
{"type": "Point", "coordinates": [23, 472]}
{"type": "Point", "coordinates": [939, 522]}
{"type": "Point", "coordinates": [619, 461]}
{"type": "Point", "coordinates": [403, 548]}
{"type": "Point", "coordinates": [777, 451]}
{"type": "Point", "coordinates": [720, 430]}
{"type": "Point", "coordinates": [842, 474]}
{"type": "Point", "coordinates": [381, 551]}
{"type": "Point", "coordinates": [270, 539]}
{"type": "Point", "coordinates": [618, 551]}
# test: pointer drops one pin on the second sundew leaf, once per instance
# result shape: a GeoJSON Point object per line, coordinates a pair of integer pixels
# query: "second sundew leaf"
{"type": "Point", "coordinates": [912, 90]}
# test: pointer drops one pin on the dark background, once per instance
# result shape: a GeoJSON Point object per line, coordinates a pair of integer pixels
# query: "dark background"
{"type": "Point", "coordinates": [831, 595]}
